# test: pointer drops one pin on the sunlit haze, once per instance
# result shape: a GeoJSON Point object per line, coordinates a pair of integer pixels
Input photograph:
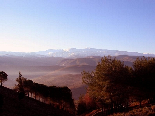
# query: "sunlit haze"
{"type": "Point", "coordinates": [38, 25]}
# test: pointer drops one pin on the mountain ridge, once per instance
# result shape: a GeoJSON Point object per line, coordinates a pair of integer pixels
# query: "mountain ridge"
{"type": "Point", "coordinates": [75, 53]}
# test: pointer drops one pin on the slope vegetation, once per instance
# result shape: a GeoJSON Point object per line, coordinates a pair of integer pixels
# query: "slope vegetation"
{"type": "Point", "coordinates": [13, 106]}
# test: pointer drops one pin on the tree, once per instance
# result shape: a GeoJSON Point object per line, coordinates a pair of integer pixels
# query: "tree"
{"type": "Point", "coordinates": [85, 104]}
{"type": "Point", "coordinates": [144, 78]}
{"type": "Point", "coordinates": [28, 86]}
{"type": "Point", "coordinates": [3, 77]}
{"type": "Point", "coordinates": [108, 84]}
{"type": "Point", "coordinates": [81, 107]}
{"type": "Point", "coordinates": [20, 86]}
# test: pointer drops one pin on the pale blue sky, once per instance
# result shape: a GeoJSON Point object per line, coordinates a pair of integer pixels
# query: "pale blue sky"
{"type": "Point", "coordinates": [38, 25]}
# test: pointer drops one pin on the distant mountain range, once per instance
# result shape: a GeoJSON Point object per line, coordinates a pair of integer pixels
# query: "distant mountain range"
{"type": "Point", "coordinates": [74, 53]}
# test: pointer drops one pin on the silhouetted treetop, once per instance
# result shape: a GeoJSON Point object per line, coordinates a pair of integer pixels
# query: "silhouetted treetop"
{"type": "Point", "coordinates": [3, 77]}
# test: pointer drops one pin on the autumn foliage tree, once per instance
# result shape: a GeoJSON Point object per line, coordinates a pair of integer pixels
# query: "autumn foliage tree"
{"type": "Point", "coordinates": [85, 104]}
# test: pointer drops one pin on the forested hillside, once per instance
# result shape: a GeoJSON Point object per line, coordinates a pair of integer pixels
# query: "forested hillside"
{"type": "Point", "coordinates": [11, 105]}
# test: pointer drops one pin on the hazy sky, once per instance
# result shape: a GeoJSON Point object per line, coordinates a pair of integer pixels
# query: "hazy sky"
{"type": "Point", "coordinates": [38, 25]}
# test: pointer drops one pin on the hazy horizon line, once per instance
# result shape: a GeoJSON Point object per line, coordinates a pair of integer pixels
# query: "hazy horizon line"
{"type": "Point", "coordinates": [77, 49]}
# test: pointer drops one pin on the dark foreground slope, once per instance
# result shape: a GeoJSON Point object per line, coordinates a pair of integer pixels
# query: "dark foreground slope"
{"type": "Point", "coordinates": [12, 106]}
